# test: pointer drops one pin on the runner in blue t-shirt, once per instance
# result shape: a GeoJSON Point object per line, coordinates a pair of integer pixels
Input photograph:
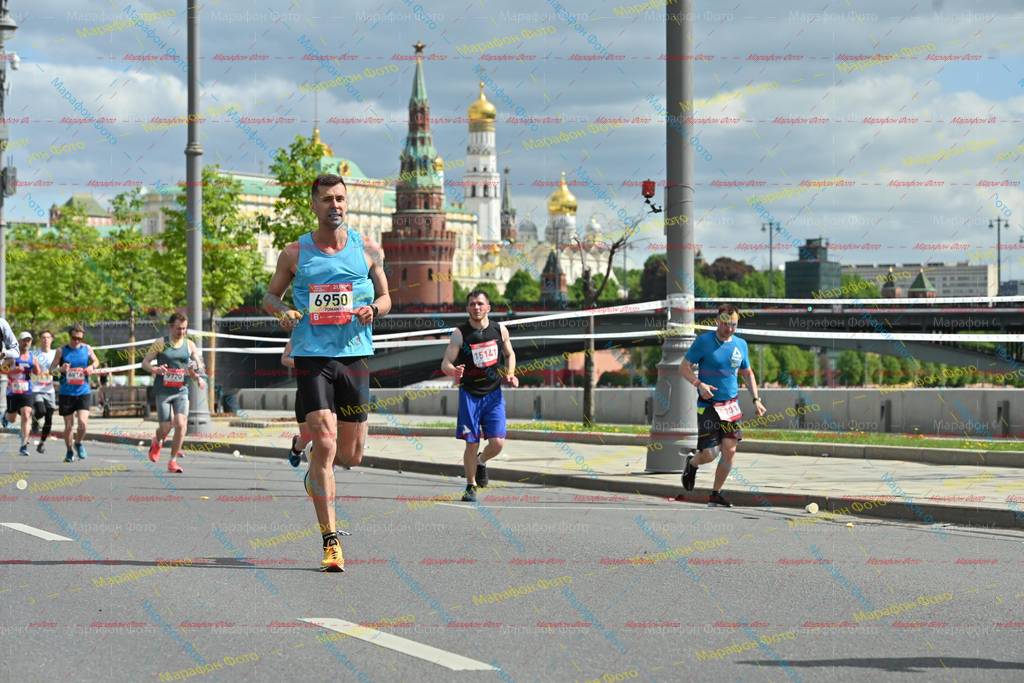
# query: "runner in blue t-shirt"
{"type": "Point", "coordinates": [719, 355]}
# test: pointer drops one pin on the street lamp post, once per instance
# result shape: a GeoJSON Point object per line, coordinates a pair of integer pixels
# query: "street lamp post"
{"type": "Point", "coordinates": [999, 224]}
{"type": "Point", "coordinates": [674, 404]}
{"type": "Point", "coordinates": [199, 412]}
{"type": "Point", "coordinates": [770, 227]}
{"type": "Point", "coordinates": [7, 174]}
{"type": "Point", "coordinates": [8, 182]}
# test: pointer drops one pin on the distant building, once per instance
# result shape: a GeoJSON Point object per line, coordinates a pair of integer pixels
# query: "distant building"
{"type": "Point", "coordinates": [813, 272]}
{"type": "Point", "coordinates": [1012, 288]}
{"type": "Point", "coordinates": [921, 288]}
{"type": "Point", "coordinates": [949, 279]}
{"type": "Point", "coordinates": [95, 215]}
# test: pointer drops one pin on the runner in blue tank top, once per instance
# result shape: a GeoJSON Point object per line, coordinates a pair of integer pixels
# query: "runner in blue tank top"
{"type": "Point", "coordinates": [720, 355]}
{"type": "Point", "coordinates": [75, 361]}
{"type": "Point", "coordinates": [19, 388]}
{"type": "Point", "coordinates": [338, 289]}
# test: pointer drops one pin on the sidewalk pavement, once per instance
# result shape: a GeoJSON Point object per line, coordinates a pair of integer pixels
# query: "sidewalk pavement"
{"type": "Point", "coordinates": [912, 491]}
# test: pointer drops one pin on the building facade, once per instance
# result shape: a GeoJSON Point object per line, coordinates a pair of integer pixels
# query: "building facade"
{"type": "Point", "coordinates": [949, 279]}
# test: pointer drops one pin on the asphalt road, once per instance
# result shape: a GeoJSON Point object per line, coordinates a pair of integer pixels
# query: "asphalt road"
{"type": "Point", "coordinates": [207, 575]}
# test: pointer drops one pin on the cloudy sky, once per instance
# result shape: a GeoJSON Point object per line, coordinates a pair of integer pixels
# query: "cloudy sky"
{"type": "Point", "coordinates": [783, 98]}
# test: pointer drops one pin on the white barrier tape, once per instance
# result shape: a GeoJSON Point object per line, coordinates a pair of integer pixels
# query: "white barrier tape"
{"type": "Point", "coordinates": [887, 336]}
{"type": "Point", "coordinates": [224, 335]}
{"type": "Point", "coordinates": [119, 368]}
{"type": "Point", "coordinates": [127, 344]}
{"type": "Point", "coordinates": [564, 315]}
{"type": "Point", "coordinates": [874, 302]}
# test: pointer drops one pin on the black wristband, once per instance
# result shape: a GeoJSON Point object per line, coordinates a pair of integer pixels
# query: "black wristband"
{"type": "Point", "coordinates": [376, 312]}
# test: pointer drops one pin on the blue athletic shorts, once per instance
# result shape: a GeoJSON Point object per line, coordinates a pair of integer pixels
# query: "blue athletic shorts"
{"type": "Point", "coordinates": [480, 417]}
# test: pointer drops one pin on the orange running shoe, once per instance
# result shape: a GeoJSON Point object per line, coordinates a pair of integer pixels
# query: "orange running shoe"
{"type": "Point", "coordinates": [154, 451]}
{"type": "Point", "coordinates": [333, 560]}
{"type": "Point", "coordinates": [174, 467]}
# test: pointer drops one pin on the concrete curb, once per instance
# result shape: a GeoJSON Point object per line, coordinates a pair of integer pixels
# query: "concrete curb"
{"type": "Point", "coordinates": [891, 509]}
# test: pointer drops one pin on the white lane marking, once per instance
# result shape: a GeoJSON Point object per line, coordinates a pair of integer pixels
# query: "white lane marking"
{"type": "Point", "coordinates": [443, 658]}
{"type": "Point", "coordinates": [566, 507]}
{"type": "Point", "coordinates": [32, 531]}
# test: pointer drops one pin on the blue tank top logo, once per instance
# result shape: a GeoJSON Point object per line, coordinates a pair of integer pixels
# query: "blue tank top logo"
{"type": "Point", "coordinates": [327, 290]}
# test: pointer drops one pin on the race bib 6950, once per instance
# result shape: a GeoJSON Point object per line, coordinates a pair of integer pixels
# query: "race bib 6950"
{"type": "Point", "coordinates": [330, 304]}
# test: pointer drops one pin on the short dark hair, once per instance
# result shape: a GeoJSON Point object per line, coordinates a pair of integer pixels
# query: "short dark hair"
{"type": "Point", "coordinates": [728, 309]}
{"type": "Point", "coordinates": [77, 327]}
{"type": "Point", "coordinates": [42, 332]}
{"type": "Point", "coordinates": [326, 180]}
{"type": "Point", "coordinates": [476, 293]}
{"type": "Point", "coordinates": [177, 318]}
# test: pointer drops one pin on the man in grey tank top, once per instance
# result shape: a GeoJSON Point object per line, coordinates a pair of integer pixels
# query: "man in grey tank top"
{"type": "Point", "coordinates": [177, 361]}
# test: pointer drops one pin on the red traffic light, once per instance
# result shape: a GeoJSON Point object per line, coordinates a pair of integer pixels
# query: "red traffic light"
{"type": "Point", "coordinates": [648, 189]}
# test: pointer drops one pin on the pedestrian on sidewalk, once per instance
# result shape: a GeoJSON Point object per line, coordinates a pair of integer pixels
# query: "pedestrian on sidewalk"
{"type": "Point", "coordinates": [485, 347]}
{"type": "Point", "coordinates": [177, 360]}
{"type": "Point", "coordinates": [719, 355]}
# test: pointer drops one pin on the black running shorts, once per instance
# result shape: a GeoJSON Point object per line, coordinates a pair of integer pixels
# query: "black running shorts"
{"type": "Point", "coordinates": [711, 429]}
{"type": "Point", "coordinates": [300, 409]}
{"type": "Point", "coordinates": [339, 384]}
{"type": "Point", "coordinates": [69, 405]}
{"type": "Point", "coordinates": [15, 402]}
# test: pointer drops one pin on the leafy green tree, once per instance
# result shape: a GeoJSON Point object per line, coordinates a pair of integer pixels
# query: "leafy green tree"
{"type": "Point", "coordinates": [850, 368]}
{"type": "Point", "coordinates": [136, 286]}
{"type": "Point", "coordinates": [873, 368]}
{"type": "Point", "coordinates": [522, 288]}
{"type": "Point", "coordinates": [295, 169]}
{"type": "Point", "coordinates": [231, 258]}
{"type": "Point", "coordinates": [857, 287]}
{"type": "Point", "coordinates": [892, 371]}
{"type": "Point", "coordinates": [85, 277]}
{"type": "Point", "coordinates": [492, 294]}
{"type": "Point", "coordinates": [459, 293]}
{"type": "Point", "coordinates": [608, 294]}
{"type": "Point", "coordinates": [631, 278]}
{"type": "Point", "coordinates": [769, 372]}
{"type": "Point", "coordinates": [653, 286]}
{"type": "Point", "coordinates": [796, 364]}
{"type": "Point", "coordinates": [911, 368]}
{"type": "Point", "coordinates": [34, 262]}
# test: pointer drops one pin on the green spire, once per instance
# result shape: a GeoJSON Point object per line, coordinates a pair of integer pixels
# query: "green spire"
{"type": "Point", "coordinates": [419, 87]}
{"type": "Point", "coordinates": [921, 284]}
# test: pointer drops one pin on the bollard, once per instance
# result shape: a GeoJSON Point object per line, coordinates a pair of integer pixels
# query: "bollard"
{"type": "Point", "coordinates": [536, 408]}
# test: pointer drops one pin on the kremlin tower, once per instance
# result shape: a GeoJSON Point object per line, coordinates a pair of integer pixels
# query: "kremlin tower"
{"type": "Point", "coordinates": [481, 179]}
{"type": "Point", "coordinates": [419, 249]}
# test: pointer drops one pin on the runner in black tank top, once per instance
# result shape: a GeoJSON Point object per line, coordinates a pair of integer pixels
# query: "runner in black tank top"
{"type": "Point", "coordinates": [480, 357]}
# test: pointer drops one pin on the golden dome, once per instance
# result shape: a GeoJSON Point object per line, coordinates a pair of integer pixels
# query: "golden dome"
{"type": "Point", "coordinates": [481, 111]}
{"type": "Point", "coordinates": [438, 164]}
{"type": "Point", "coordinates": [562, 201]}
{"type": "Point", "coordinates": [324, 147]}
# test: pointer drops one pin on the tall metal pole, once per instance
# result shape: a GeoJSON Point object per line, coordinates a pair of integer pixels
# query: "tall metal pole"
{"type": "Point", "coordinates": [199, 412]}
{"type": "Point", "coordinates": [7, 184]}
{"type": "Point", "coordinates": [999, 223]}
{"type": "Point", "coordinates": [674, 423]}
{"type": "Point", "coordinates": [7, 27]}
